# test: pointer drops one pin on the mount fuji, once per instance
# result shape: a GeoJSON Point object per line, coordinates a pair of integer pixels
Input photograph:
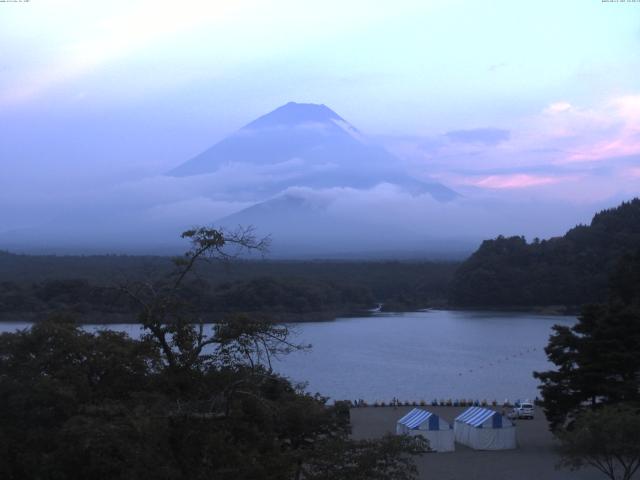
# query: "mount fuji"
{"type": "Point", "coordinates": [310, 146]}
{"type": "Point", "coordinates": [314, 166]}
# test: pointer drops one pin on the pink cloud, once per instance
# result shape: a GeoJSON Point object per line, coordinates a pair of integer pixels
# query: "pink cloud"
{"type": "Point", "coordinates": [514, 181]}
{"type": "Point", "coordinates": [619, 147]}
{"type": "Point", "coordinates": [608, 131]}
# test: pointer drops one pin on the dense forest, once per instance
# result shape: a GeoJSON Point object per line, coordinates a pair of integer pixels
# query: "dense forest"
{"type": "Point", "coordinates": [571, 270]}
{"type": "Point", "coordinates": [92, 286]}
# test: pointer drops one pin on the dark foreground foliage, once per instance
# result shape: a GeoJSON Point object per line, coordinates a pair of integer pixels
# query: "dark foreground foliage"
{"type": "Point", "coordinates": [607, 439]}
{"type": "Point", "coordinates": [571, 270]}
{"type": "Point", "coordinates": [598, 359]}
{"type": "Point", "coordinates": [181, 402]}
{"type": "Point", "coordinates": [592, 398]}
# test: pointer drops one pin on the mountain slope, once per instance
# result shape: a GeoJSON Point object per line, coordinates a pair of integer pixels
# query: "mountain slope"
{"type": "Point", "coordinates": [313, 147]}
{"type": "Point", "coordinates": [569, 270]}
{"type": "Point", "coordinates": [307, 223]}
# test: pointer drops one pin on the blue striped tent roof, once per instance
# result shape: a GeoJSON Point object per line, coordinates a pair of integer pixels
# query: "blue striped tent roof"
{"type": "Point", "coordinates": [416, 417]}
{"type": "Point", "coordinates": [476, 416]}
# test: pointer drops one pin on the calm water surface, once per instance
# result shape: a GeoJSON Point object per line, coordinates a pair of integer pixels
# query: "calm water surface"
{"type": "Point", "coordinates": [414, 356]}
{"type": "Point", "coordinates": [425, 355]}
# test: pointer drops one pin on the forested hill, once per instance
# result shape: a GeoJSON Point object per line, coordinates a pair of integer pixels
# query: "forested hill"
{"type": "Point", "coordinates": [571, 270]}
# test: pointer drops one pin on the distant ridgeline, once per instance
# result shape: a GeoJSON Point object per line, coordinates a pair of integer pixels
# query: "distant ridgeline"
{"type": "Point", "coordinates": [571, 270]}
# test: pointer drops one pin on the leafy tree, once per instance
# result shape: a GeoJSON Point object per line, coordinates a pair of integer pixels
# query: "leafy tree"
{"type": "Point", "coordinates": [607, 439]}
{"type": "Point", "coordinates": [182, 402]}
{"type": "Point", "coordinates": [56, 379]}
{"type": "Point", "coordinates": [598, 359]}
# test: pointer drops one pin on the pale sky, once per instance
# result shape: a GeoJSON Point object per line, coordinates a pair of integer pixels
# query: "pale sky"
{"type": "Point", "coordinates": [410, 67]}
{"type": "Point", "coordinates": [96, 93]}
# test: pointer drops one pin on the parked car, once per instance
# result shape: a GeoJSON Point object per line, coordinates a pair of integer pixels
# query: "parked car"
{"type": "Point", "coordinates": [522, 410]}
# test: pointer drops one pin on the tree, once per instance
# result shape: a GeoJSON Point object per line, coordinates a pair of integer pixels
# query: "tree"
{"type": "Point", "coordinates": [181, 402]}
{"type": "Point", "coordinates": [170, 323]}
{"type": "Point", "coordinates": [57, 380]}
{"type": "Point", "coordinates": [598, 359]}
{"type": "Point", "coordinates": [607, 438]}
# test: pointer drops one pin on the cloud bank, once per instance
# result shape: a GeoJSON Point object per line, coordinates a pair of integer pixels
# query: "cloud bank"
{"type": "Point", "coordinates": [540, 176]}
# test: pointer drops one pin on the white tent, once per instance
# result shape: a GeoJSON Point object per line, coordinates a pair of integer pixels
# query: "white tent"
{"type": "Point", "coordinates": [484, 429]}
{"type": "Point", "coordinates": [430, 426]}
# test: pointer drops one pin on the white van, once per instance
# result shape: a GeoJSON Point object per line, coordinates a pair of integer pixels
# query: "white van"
{"type": "Point", "coordinates": [522, 410]}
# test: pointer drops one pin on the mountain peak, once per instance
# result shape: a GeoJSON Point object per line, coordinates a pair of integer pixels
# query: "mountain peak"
{"type": "Point", "coordinates": [307, 145]}
{"type": "Point", "coordinates": [294, 113]}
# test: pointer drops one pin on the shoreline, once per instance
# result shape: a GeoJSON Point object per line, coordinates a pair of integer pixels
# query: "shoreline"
{"type": "Point", "coordinates": [113, 318]}
{"type": "Point", "coordinates": [550, 310]}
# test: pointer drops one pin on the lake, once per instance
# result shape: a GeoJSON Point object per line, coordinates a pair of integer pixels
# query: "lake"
{"type": "Point", "coordinates": [417, 356]}
{"type": "Point", "coordinates": [425, 355]}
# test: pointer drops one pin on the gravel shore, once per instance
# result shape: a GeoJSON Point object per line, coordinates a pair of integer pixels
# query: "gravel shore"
{"type": "Point", "coordinates": [534, 459]}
